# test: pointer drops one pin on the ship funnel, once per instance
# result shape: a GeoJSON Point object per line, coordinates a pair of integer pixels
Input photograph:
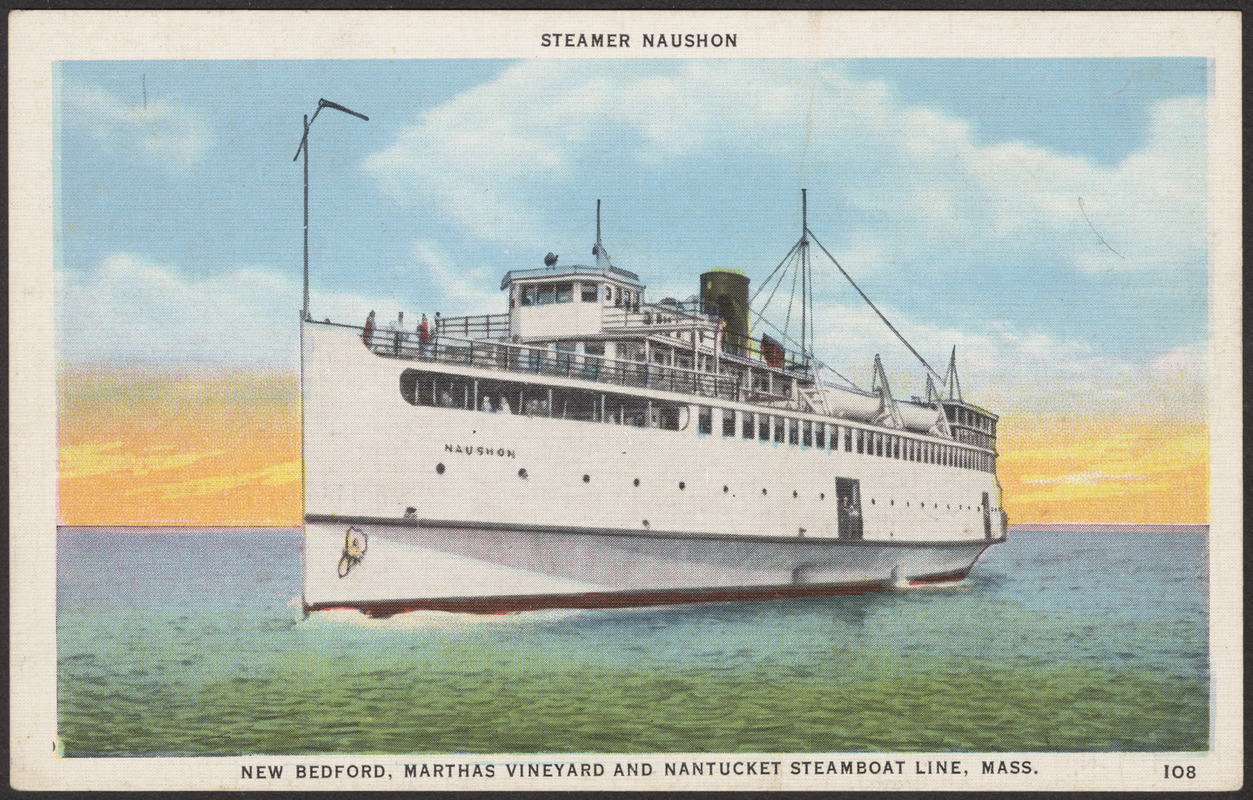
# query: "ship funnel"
{"type": "Point", "coordinates": [725, 293]}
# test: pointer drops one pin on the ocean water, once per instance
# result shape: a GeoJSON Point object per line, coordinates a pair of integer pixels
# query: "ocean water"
{"type": "Point", "coordinates": [193, 643]}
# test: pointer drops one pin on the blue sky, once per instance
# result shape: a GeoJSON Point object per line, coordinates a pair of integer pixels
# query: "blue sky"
{"type": "Point", "coordinates": [1047, 217]}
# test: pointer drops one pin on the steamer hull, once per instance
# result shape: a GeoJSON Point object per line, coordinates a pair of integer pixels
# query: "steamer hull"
{"type": "Point", "coordinates": [411, 505]}
{"type": "Point", "coordinates": [411, 565]}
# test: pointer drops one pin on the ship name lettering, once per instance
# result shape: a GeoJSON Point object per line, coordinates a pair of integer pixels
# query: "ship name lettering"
{"type": "Point", "coordinates": [689, 40]}
{"type": "Point", "coordinates": [472, 450]}
{"type": "Point", "coordinates": [585, 40]}
{"type": "Point", "coordinates": [450, 770]}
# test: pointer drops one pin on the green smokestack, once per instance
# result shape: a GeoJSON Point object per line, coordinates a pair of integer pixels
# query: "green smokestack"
{"type": "Point", "coordinates": [725, 293]}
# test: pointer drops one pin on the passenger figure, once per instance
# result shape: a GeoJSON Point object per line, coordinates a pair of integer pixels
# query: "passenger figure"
{"type": "Point", "coordinates": [487, 405]}
{"type": "Point", "coordinates": [367, 335]}
{"type": "Point", "coordinates": [424, 335]}
{"type": "Point", "coordinates": [398, 332]}
{"type": "Point", "coordinates": [504, 405]}
{"type": "Point", "coordinates": [445, 399]}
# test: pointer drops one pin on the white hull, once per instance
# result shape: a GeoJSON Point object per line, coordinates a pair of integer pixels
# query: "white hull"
{"type": "Point", "coordinates": [465, 510]}
{"type": "Point", "coordinates": [411, 565]}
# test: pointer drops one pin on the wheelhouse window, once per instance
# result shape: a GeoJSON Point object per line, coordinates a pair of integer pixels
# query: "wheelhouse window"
{"type": "Point", "coordinates": [589, 292]}
{"type": "Point", "coordinates": [544, 295]}
{"type": "Point", "coordinates": [526, 296]}
{"type": "Point", "coordinates": [564, 292]}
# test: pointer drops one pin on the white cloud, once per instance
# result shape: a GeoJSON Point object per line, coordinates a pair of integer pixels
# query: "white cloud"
{"type": "Point", "coordinates": [160, 126]}
{"type": "Point", "coordinates": [132, 311]}
{"type": "Point", "coordinates": [497, 155]}
{"type": "Point", "coordinates": [1008, 370]}
{"type": "Point", "coordinates": [465, 291]}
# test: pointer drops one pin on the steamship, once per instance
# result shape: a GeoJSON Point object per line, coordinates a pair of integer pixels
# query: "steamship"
{"type": "Point", "coordinates": [587, 448]}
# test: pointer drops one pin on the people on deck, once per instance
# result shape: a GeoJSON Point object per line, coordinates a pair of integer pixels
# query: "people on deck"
{"type": "Point", "coordinates": [424, 336]}
{"type": "Point", "coordinates": [367, 335]}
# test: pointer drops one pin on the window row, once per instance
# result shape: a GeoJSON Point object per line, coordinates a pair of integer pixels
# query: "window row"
{"type": "Point", "coordinates": [827, 436]}
{"type": "Point", "coordinates": [509, 397]}
{"type": "Point", "coordinates": [542, 294]}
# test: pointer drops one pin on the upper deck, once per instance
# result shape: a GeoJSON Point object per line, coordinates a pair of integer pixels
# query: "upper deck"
{"type": "Point", "coordinates": [741, 379]}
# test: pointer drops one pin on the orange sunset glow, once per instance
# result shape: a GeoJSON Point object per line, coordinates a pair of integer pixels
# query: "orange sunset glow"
{"type": "Point", "coordinates": [223, 448]}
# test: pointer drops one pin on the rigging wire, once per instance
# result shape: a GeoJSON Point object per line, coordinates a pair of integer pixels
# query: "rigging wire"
{"type": "Point", "coordinates": [891, 327]}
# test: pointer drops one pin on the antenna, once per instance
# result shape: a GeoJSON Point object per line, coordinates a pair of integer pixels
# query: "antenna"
{"type": "Point", "coordinates": [304, 147]}
{"type": "Point", "coordinates": [598, 249]}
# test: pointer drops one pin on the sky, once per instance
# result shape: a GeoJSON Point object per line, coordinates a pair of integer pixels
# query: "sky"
{"type": "Point", "coordinates": [1045, 217]}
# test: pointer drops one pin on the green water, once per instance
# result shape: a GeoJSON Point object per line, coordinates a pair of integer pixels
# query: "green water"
{"type": "Point", "coordinates": [1039, 651]}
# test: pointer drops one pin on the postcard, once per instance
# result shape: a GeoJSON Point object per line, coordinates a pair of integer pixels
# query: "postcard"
{"type": "Point", "coordinates": [569, 401]}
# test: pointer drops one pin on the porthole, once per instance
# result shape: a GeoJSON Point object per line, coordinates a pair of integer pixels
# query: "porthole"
{"type": "Point", "coordinates": [763, 490]}
{"type": "Point", "coordinates": [636, 482]}
{"type": "Point", "coordinates": [822, 495]}
{"type": "Point", "coordinates": [892, 502]}
{"type": "Point", "coordinates": [725, 490]}
{"type": "Point", "coordinates": [439, 469]}
{"type": "Point", "coordinates": [794, 493]}
{"type": "Point", "coordinates": [872, 501]}
{"type": "Point", "coordinates": [682, 485]}
{"type": "Point", "coordinates": [522, 473]}
{"type": "Point", "coordinates": [587, 478]}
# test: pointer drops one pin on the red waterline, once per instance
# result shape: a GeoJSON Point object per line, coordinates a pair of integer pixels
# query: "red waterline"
{"type": "Point", "coordinates": [504, 605]}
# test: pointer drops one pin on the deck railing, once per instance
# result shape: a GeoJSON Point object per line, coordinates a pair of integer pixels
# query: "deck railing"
{"type": "Point", "coordinates": [515, 358]}
{"type": "Point", "coordinates": [482, 326]}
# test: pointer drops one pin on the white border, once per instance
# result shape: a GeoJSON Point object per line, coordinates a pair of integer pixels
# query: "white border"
{"type": "Point", "coordinates": [39, 38]}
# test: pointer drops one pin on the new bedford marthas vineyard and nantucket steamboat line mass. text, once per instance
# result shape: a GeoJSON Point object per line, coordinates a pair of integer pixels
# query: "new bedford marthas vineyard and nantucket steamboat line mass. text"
{"type": "Point", "coordinates": [586, 448]}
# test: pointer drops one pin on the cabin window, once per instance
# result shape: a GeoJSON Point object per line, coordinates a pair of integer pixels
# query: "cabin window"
{"type": "Point", "coordinates": [847, 435]}
{"type": "Point", "coordinates": [820, 435]}
{"type": "Point", "coordinates": [576, 405]}
{"type": "Point", "coordinates": [878, 444]}
{"type": "Point", "coordinates": [589, 292]}
{"type": "Point", "coordinates": [763, 427]}
{"type": "Point", "coordinates": [861, 441]}
{"type": "Point", "coordinates": [747, 426]}
{"type": "Point", "coordinates": [779, 423]}
{"type": "Point", "coordinates": [669, 417]}
{"type": "Point", "coordinates": [791, 431]}
{"type": "Point", "coordinates": [594, 348]}
{"type": "Point", "coordinates": [807, 433]}
{"type": "Point", "coordinates": [564, 292]}
{"type": "Point", "coordinates": [526, 296]}
{"type": "Point", "coordinates": [705, 421]}
{"type": "Point", "coordinates": [896, 447]}
{"type": "Point", "coordinates": [728, 422]}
